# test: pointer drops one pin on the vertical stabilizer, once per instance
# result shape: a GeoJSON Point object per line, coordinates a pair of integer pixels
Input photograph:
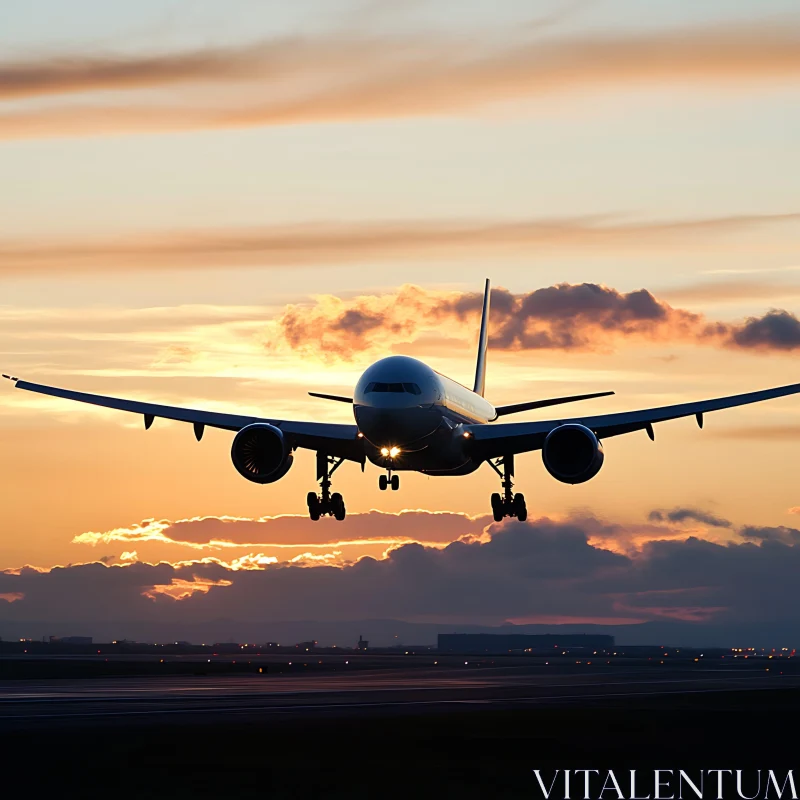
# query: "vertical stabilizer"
{"type": "Point", "coordinates": [483, 342]}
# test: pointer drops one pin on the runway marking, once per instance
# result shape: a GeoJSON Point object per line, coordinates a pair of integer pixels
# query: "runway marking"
{"type": "Point", "coordinates": [376, 704]}
{"type": "Point", "coordinates": [157, 694]}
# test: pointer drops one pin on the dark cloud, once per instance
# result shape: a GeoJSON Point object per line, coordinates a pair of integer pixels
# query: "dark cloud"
{"type": "Point", "coordinates": [517, 571]}
{"type": "Point", "coordinates": [691, 514]}
{"type": "Point", "coordinates": [574, 314]}
{"type": "Point", "coordinates": [766, 534]}
{"type": "Point", "coordinates": [776, 330]}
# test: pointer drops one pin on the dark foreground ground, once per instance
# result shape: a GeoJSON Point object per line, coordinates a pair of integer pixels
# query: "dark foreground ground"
{"type": "Point", "coordinates": [443, 730]}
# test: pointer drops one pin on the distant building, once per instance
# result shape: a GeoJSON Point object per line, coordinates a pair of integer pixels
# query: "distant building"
{"type": "Point", "coordinates": [497, 643]}
{"type": "Point", "coordinates": [70, 640]}
{"type": "Point", "coordinates": [363, 644]}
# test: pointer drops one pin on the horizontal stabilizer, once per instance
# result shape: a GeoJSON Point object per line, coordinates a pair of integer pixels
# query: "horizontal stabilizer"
{"type": "Point", "coordinates": [332, 397]}
{"type": "Point", "coordinates": [554, 401]}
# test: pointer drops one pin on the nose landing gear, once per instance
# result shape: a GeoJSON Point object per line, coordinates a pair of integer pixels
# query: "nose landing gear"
{"type": "Point", "coordinates": [385, 481]}
{"type": "Point", "coordinates": [508, 504]}
{"type": "Point", "coordinates": [325, 502]}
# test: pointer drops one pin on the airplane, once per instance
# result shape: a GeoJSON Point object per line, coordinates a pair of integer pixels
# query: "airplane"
{"type": "Point", "coordinates": [409, 417]}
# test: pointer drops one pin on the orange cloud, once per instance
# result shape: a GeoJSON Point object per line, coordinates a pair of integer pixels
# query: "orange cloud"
{"type": "Point", "coordinates": [255, 544]}
{"type": "Point", "coordinates": [12, 597]}
{"type": "Point", "coordinates": [562, 317]}
{"type": "Point", "coordinates": [346, 77]}
{"type": "Point", "coordinates": [181, 588]}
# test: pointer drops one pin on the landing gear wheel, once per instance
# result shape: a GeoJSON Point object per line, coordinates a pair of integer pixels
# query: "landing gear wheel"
{"type": "Point", "coordinates": [337, 504]}
{"type": "Point", "coordinates": [520, 509]}
{"type": "Point", "coordinates": [326, 503]}
{"type": "Point", "coordinates": [395, 482]}
{"type": "Point", "coordinates": [497, 507]}
{"type": "Point", "coordinates": [507, 504]}
{"type": "Point", "coordinates": [313, 506]}
{"type": "Point", "coordinates": [383, 483]}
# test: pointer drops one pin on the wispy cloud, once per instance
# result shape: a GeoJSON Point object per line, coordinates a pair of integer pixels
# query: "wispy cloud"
{"type": "Point", "coordinates": [316, 244]}
{"type": "Point", "coordinates": [762, 433]}
{"type": "Point", "coordinates": [343, 77]}
{"type": "Point", "coordinates": [731, 291]}
{"type": "Point", "coordinates": [686, 514]}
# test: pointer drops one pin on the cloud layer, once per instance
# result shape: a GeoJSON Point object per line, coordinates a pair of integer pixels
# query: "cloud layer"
{"type": "Point", "coordinates": [338, 77]}
{"type": "Point", "coordinates": [540, 570]}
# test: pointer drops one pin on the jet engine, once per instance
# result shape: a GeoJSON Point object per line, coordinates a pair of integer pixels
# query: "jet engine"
{"type": "Point", "coordinates": [260, 453]}
{"type": "Point", "coordinates": [572, 453]}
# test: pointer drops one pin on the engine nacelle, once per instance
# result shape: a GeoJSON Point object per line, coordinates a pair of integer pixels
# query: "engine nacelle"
{"type": "Point", "coordinates": [572, 453]}
{"type": "Point", "coordinates": [260, 453]}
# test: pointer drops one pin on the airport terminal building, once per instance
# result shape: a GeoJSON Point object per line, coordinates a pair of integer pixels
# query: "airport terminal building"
{"type": "Point", "coordinates": [543, 644]}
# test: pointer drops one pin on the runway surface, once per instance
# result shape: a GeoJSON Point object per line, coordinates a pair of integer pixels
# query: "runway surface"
{"type": "Point", "coordinates": [383, 692]}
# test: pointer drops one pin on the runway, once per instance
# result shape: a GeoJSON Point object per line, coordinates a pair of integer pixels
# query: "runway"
{"type": "Point", "coordinates": [382, 692]}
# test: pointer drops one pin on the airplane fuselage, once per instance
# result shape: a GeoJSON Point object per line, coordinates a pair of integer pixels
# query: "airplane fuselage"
{"type": "Point", "coordinates": [405, 407]}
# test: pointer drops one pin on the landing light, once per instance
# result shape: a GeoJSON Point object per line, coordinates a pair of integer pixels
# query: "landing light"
{"type": "Point", "coordinates": [394, 451]}
{"type": "Point", "coordinates": [384, 451]}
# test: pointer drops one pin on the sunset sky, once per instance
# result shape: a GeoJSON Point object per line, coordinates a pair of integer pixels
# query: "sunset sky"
{"type": "Point", "coordinates": [226, 205]}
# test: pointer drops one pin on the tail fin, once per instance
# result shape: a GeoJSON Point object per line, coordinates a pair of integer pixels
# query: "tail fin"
{"type": "Point", "coordinates": [483, 342]}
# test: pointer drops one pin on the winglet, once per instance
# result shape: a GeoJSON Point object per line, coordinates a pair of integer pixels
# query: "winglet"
{"type": "Point", "coordinates": [483, 341]}
{"type": "Point", "coordinates": [10, 378]}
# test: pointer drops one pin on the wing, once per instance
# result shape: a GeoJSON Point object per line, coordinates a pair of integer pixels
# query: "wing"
{"type": "Point", "coordinates": [331, 438]}
{"type": "Point", "coordinates": [491, 441]}
{"type": "Point", "coordinates": [553, 401]}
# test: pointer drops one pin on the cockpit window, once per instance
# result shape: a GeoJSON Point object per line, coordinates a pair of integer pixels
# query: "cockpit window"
{"type": "Point", "coordinates": [398, 388]}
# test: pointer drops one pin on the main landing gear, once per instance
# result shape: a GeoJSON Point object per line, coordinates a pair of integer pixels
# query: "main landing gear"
{"type": "Point", "coordinates": [507, 504]}
{"type": "Point", "coordinates": [385, 481]}
{"type": "Point", "coordinates": [325, 502]}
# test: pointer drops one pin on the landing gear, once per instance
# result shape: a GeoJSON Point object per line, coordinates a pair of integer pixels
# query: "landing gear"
{"type": "Point", "coordinates": [325, 502]}
{"type": "Point", "coordinates": [508, 504]}
{"type": "Point", "coordinates": [385, 481]}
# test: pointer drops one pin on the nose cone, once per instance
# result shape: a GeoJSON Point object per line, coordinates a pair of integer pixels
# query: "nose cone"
{"type": "Point", "coordinates": [396, 426]}
{"type": "Point", "coordinates": [394, 402]}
